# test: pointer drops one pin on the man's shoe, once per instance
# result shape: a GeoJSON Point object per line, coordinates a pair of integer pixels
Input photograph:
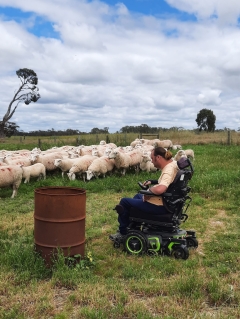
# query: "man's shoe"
{"type": "Point", "coordinates": [119, 209]}
{"type": "Point", "coordinates": [117, 237]}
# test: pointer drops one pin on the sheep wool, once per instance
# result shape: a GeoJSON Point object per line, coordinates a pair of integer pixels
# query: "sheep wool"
{"type": "Point", "coordinates": [11, 176]}
{"type": "Point", "coordinates": [100, 167]}
{"type": "Point", "coordinates": [35, 170]}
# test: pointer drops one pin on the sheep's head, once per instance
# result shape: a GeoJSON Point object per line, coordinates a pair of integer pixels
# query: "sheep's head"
{"type": "Point", "coordinates": [107, 151]}
{"type": "Point", "coordinates": [89, 174]}
{"type": "Point", "coordinates": [33, 157]}
{"type": "Point", "coordinates": [113, 154]}
{"type": "Point", "coordinates": [94, 152]}
{"type": "Point", "coordinates": [146, 158]}
{"type": "Point", "coordinates": [71, 176]}
{"type": "Point", "coordinates": [57, 162]}
{"type": "Point", "coordinates": [181, 153]}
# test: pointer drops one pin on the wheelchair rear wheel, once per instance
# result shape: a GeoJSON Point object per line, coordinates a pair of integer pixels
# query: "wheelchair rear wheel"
{"type": "Point", "coordinates": [135, 243]}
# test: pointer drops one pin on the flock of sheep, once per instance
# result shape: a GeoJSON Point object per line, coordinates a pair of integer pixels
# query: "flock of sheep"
{"type": "Point", "coordinates": [82, 161]}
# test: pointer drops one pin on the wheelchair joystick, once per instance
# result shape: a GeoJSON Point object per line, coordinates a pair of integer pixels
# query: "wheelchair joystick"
{"type": "Point", "coordinates": [144, 187]}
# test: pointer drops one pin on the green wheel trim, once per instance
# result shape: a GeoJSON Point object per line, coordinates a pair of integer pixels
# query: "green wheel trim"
{"type": "Point", "coordinates": [132, 251]}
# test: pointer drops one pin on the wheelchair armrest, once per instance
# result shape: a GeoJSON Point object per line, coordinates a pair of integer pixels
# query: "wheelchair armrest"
{"type": "Point", "coordinates": [147, 192]}
{"type": "Point", "coordinates": [166, 195]}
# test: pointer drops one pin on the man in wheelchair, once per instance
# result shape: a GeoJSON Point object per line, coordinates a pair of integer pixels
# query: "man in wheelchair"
{"type": "Point", "coordinates": [157, 211]}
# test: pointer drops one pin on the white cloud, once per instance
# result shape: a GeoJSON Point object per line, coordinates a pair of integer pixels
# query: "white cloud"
{"type": "Point", "coordinates": [110, 68]}
{"type": "Point", "coordinates": [225, 11]}
{"type": "Point", "coordinates": [210, 97]}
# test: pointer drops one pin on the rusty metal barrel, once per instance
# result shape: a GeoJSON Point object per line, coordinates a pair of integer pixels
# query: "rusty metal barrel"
{"type": "Point", "coordinates": [59, 221]}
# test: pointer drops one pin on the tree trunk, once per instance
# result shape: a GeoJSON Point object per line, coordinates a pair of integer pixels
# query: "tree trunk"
{"type": "Point", "coordinates": [2, 134]}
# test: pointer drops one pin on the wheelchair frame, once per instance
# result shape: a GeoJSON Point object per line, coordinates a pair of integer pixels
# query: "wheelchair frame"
{"type": "Point", "coordinates": [161, 234]}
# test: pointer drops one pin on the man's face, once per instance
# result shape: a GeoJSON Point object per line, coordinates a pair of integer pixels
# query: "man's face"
{"type": "Point", "coordinates": [156, 160]}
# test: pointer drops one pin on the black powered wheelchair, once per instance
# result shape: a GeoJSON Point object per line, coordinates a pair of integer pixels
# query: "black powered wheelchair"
{"type": "Point", "coordinates": [161, 234]}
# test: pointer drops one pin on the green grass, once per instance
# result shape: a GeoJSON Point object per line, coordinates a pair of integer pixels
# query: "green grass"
{"type": "Point", "coordinates": [110, 283]}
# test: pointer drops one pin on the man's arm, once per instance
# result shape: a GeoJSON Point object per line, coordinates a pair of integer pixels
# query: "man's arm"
{"type": "Point", "coordinates": [158, 190]}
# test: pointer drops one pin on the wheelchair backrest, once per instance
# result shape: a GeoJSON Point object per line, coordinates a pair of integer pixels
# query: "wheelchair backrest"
{"type": "Point", "coordinates": [177, 193]}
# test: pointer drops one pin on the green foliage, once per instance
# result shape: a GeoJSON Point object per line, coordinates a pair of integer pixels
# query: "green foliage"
{"type": "Point", "coordinates": [9, 128]}
{"type": "Point", "coordinates": [29, 81]}
{"type": "Point", "coordinates": [28, 75]}
{"type": "Point", "coordinates": [206, 120]}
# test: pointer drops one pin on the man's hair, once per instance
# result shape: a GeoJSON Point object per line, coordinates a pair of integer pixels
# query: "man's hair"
{"type": "Point", "coordinates": [162, 152]}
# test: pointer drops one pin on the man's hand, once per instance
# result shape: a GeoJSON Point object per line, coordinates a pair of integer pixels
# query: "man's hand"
{"type": "Point", "coordinates": [146, 183]}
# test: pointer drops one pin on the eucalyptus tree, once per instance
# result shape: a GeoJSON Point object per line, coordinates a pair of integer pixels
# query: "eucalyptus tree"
{"type": "Point", "coordinates": [26, 93]}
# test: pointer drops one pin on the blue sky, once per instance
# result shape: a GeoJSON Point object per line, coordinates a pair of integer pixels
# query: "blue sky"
{"type": "Point", "coordinates": [42, 27]}
{"type": "Point", "coordinates": [112, 64]}
{"type": "Point", "coordinates": [151, 7]}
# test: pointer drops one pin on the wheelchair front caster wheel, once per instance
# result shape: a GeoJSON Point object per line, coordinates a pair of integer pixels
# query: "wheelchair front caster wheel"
{"type": "Point", "coordinates": [180, 252]}
{"type": "Point", "coordinates": [192, 242]}
{"type": "Point", "coordinates": [116, 244]}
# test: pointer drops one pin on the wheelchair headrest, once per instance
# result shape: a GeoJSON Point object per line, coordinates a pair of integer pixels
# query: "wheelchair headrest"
{"type": "Point", "coordinates": [184, 162]}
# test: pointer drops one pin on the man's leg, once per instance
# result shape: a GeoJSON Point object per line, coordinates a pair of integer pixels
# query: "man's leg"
{"type": "Point", "coordinates": [136, 202]}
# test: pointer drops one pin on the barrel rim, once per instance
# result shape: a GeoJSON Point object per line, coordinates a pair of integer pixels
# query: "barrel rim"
{"type": "Point", "coordinates": [78, 190]}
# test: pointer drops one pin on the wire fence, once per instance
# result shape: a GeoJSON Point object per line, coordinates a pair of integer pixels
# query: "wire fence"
{"type": "Point", "coordinates": [183, 137]}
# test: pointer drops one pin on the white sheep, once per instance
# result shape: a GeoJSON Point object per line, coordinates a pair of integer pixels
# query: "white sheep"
{"type": "Point", "coordinates": [190, 153]}
{"type": "Point", "coordinates": [146, 164]}
{"type": "Point", "coordinates": [64, 164]}
{"type": "Point", "coordinates": [122, 160]}
{"type": "Point", "coordinates": [177, 147]}
{"type": "Point", "coordinates": [73, 154]}
{"type": "Point", "coordinates": [184, 153]}
{"type": "Point", "coordinates": [47, 160]}
{"type": "Point", "coordinates": [179, 154]}
{"type": "Point", "coordinates": [164, 143]}
{"type": "Point", "coordinates": [11, 175]}
{"type": "Point", "coordinates": [136, 157]}
{"type": "Point", "coordinates": [81, 166]}
{"type": "Point", "coordinates": [135, 142]}
{"type": "Point", "coordinates": [100, 167]}
{"type": "Point", "coordinates": [98, 150]}
{"type": "Point", "coordinates": [111, 145]}
{"type": "Point", "coordinates": [84, 150]}
{"type": "Point", "coordinates": [24, 161]}
{"type": "Point", "coordinates": [35, 170]}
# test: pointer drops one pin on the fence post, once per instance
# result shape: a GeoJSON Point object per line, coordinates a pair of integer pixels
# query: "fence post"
{"type": "Point", "coordinates": [39, 143]}
{"type": "Point", "coordinates": [229, 137]}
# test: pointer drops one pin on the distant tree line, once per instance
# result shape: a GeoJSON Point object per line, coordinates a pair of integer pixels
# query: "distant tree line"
{"type": "Point", "coordinates": [130, 129]}
{"type": "Point", "coordinates": [144, 128]}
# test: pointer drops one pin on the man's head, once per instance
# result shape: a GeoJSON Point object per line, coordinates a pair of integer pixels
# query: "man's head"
{"type": "Point", "coordinates": [160, 157]}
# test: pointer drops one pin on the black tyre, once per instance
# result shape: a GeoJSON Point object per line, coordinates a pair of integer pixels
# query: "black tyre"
{"type": "Point", "coordinates": [135, 243]}
{"type": "Point", "coordinates": [192, 242]}
{"type": "Point", "coordinates": [116, 244]}
{"type": "Point", "coordinates": [180, 252]}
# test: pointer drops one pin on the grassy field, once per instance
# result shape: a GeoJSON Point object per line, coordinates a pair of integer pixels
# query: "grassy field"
{"type": "Point", "coordinates": [111, 284]}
